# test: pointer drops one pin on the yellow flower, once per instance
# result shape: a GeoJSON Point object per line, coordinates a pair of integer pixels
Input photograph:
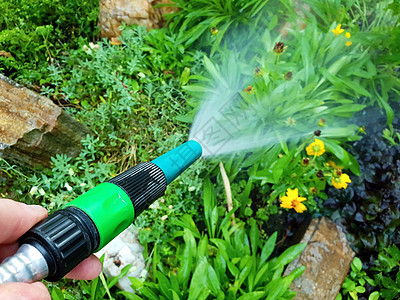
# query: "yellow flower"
{"type": "Point", "coordinates": [292, 200]}
{"type": "Point", "coordinates": [348, 43]}
{"type": "Point", "coordinates": [341, 182]}
{"type": "Point", "coordinates": [348, 35]}
{"type": "Point", "coordinates": [115, 41]}
{"type": "Point", "coordinates": [214, 30]}
{"type": "Point", "coordinates": [258, 72]}
{"type": "Point", "coordinates": [249, 90]}
{"type": "Point", "coordinates": [317, 148]}
{"type": "Point", "coordinates": [338, 30]}
{"type": "Point", "coordinates": [362, 130]}
{"type": "Point", "coordinates": [331, 164]}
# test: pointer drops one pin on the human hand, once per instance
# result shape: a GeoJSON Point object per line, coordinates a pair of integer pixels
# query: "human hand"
{"type": "Point", "coordinates": [16, 219]}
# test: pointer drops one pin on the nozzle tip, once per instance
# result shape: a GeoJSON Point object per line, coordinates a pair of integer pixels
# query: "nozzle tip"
{"type": "Point", "coordinates": [174, 162]}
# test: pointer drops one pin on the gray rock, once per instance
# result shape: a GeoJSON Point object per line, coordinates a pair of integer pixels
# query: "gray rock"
{"type": "Point", "coordinates": [33, 128]}
{"type": "Point", "coordinates": [327, 259]}
{"type": "Point", "coordinates": [142, 12]}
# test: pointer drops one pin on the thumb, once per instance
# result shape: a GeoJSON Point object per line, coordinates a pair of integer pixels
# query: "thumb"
{"type": "Point", "coordinates": [24, 291]}
{"type": "Point", "coordinates": [17, 218]}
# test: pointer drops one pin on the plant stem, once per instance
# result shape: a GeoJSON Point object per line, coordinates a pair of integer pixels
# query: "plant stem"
{"type": "Point", "coordinates": [228, 191]}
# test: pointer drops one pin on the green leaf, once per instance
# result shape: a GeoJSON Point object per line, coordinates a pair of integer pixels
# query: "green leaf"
{"type": "Point", "coordinates": [203, 247]}
{"type": "Point", "coordinates": [268, 249]}
{"type": "Point", "coordinates": [374, 296]}
{"type": "Point", "coordinates": [251, 296]}
{"type": "Point", "coordinates": [186, 221]}
{"type": "Point", "coordinates": [243, 274]}
{"type": "Point", "coordinates": [387, 261]}
{"type": "Point", "coordinates": [214, 221]}
{"type": "Point", "coordinates": [175, 295]}
{"type": "Point", "coordinates": [209, 202]}
{"type": "Point", "coordinates": [214, 72]}
{"type": "Point", "coordinates": [254, 236]}
{"type": "Point", "coordinates": [194, 89]}
{"type": "Point", "coordinates": [276, 288]}
{"type": "Point", "coordinates": [346, 110]}
{"type": "Point", "coordinates": [115, 279]}
{"type": "Point", "coordinates": [296, 273]}
{"type": "Point", "coordinates": [220, 266]}
{"type": "Point", "coordinates": [56, 294]}
{"type": "Point", "coordinates": [188, 118]}
{"type": "Point", "coordinates": [388, 109]}
{"type": "Point", "coordinates": [200, 283]}
{"type": "Point", "coordinates": [353, 294]}
{"type": "Point", "coordinates": [252, 275]}
{"type": "Point", "coordinates": [138, 286]}
{"type": "Point", "coordinates": [164, 285]}
{"type": "Point", "coordinates": [288, 255]}
{"type": "Point", "coordinates": [241, 243]}
{"type": "Point", "coordinates": [196, 32]}
{"type": "Point", "coordinates": [338, 151]}
{"type": "Point", "coordinates": [185, 76]}
{"type": "Point", "coordinates": [212, 280]}
{"type": "Point", "coordinates": [93, 287]}
{"type": "Point", "coordinates": [354, 165]}
{"type": "Point", "coordinates": [356, 265]}
{"type": "Point", "coordinates": [261, 274]}
{"type": "Point", "coordinates": [186, 260]}
{"type": "Point", "coordinates": [278, 272]}
{"type": "Point", "coordinates": [222, 247]}
{"type": "Point", "coordinates": [360, 289]}
{"type": "Point", "coordinates": [129, 296]}
{"type": "Point", "coordinates": [394, 252]}
{"type": "Point", "coordinates": [232, 268]}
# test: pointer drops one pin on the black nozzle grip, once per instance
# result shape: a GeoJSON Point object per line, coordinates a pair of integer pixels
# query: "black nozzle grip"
{"type": "Point", "coordinates": [143, 183]}
{"type": "Point", "coordinates": [65, 238]}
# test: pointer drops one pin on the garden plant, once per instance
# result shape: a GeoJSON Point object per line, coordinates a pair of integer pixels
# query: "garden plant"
{"type": "Point", "coordinates": [320, 77]}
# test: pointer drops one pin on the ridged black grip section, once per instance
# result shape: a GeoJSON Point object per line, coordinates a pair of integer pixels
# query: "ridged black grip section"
{"type": "Point", "coordinates": [143, 183]}
{"type": "Point", "coordinates": [65, 238]}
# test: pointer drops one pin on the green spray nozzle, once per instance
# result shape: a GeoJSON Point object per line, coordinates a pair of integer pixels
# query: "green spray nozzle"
{"type": "Point", "coordinates": [56, 245]}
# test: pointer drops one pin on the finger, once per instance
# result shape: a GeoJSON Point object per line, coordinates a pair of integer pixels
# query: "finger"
{"type": "Point", "coordinates": [24, 291]}
{"type": "Point", "coordinates": [88, 269]}
{"type": "Point", "coordinates": [8, 250]}
{"type": "Point", "coordinates": [17, 218]}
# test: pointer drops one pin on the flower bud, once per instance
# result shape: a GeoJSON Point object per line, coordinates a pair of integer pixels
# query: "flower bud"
{"type": "Point", "coordinates": [258, 72]}
{"type": "Point", "coordinates": [305, 161]}
{"type": "Point", "coordinates": [317, 132]}
{"type": "Point", "coordinates": [288, 75]}
{"type": "Point", "coordinates": [279, 47]}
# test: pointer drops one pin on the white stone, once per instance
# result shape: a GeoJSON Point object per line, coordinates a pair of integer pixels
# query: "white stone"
{"type": "Point", "coordinates": [124, 250]}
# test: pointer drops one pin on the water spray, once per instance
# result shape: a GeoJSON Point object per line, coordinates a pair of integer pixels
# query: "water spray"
{"type": "Point", "coordinates": [56, 245]}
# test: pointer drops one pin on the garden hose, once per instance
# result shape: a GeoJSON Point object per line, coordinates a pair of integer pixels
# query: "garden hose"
{"type": "Point", "coordinates": [56, 245]}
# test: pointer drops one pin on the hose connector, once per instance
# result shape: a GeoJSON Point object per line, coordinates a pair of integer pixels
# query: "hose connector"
{"type": "Point", "coordinates": [27, 265]}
